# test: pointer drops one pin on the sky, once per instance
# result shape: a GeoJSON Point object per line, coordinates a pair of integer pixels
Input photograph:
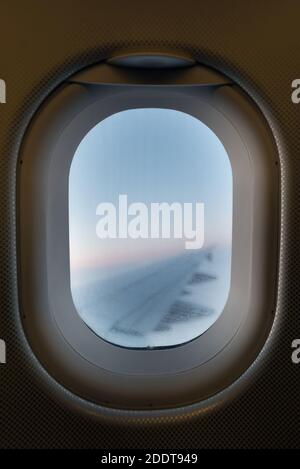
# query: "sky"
{"type": "Point", "coordinates": [152, 155]}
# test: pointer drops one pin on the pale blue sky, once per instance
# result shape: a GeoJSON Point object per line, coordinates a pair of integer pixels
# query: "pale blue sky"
{"type": "Point", "coordinates": [152, 155]}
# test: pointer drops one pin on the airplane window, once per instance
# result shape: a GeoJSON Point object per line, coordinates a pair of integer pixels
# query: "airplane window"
{"type": "Point", "coordinates": [148, 220]}
{"type": "Point", "coordinates": [150, 228]}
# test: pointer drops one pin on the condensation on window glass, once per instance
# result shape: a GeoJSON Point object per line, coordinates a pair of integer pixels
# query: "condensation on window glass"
{"type": "Point", "coordinates": [150, 228]}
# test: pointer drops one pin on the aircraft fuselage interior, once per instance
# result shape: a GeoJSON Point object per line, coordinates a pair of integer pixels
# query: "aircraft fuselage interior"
{"type": "Point", "coordinates": [149, 227]}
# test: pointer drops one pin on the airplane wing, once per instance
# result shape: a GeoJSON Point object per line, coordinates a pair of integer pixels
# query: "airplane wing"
{"type": "Point", "coordinates": [146, 299]}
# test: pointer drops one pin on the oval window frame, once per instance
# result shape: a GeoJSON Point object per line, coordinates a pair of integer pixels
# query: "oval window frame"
{"type": "Point", "coordinates": [77, 358]}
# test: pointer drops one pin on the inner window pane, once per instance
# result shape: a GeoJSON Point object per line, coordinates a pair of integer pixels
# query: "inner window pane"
{"type": "Point", "coordinates": [150, 228]}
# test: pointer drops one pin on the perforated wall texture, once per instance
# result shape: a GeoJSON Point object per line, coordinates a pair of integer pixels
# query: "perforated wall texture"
{"type": "Point", "coordinates": [257, 45]}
